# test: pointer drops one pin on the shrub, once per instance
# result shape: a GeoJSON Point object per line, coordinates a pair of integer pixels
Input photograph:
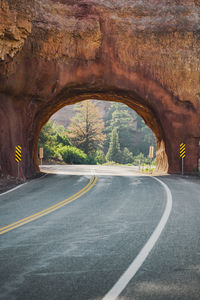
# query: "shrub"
{"type": "Point", "coordinates": [100, 157]}
{"type": "Point", "coordinates": [141, 159]}
{"type": "Point", "coordinates": [48, 152]}
{"type": "Point", "coordinates": [91, 160]}
{"type": "Point", "coordinates": [127, 156]}
{"type": "Point", "coordinates": [72, 155]}
{"type": "Point", "coordinates": [62, 139]}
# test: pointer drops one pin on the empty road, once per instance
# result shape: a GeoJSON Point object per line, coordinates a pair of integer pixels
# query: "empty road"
{"type": "Point", "coordinates": [103, 233]}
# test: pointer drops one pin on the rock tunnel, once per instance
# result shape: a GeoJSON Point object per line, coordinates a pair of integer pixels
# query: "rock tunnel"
{"type": "Point", "coordinates": [142, 53]}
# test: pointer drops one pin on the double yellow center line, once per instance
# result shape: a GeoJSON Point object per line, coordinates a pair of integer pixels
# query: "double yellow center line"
{"type": "Point", "coordinates": [50, 209]}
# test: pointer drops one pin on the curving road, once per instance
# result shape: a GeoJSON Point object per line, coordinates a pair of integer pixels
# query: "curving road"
{"type": "Point", "coordinates": [72, 237]}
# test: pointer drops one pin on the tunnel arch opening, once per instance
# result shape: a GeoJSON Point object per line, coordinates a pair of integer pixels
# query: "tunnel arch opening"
{"type": "Point", "coordinates": [137, 104]}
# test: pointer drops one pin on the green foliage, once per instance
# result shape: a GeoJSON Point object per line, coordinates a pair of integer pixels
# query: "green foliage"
{"type": "Point", "coordinates": [46, 135]}
{"type": "Point", "coordinates": [114, 152]}
{"type": "Point", "coordinates": [147, 169]}
{"type": "Point", "coordinates": [133, 132]}
{"type": "Point", "coordinates": [146, 138]}
{"type": "Point", "coordinates": [100, 157]}
{"type": "Point", "coordinates": [124, 130]}
{"type": "Point", "coordinates": [123, 119]}
{"type": "Point", "coordinates": [47, 140]}
{"type": "Point", "coordinates": [91, 160]}
{"type": "Point", "coordinates": [72, 155]}
{"type": "Point", "coordinates": [141, 159]}
{"type": "Point", "coordinates": [127, 156]}
{"type": "Point", "coordinates": [153, 163]}
{"type": "Point", "coordinates": [49, 152]}
{"type": "Point", "coordinates": [63, 140]}
{"type": "Point", "coordinates": [52, 137]}
{"type": "Point", "coordinates": [111, 163]}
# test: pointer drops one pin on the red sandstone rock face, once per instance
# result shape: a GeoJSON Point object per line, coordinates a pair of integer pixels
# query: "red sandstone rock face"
{"type": "Point", "coordinates": [143, 53]}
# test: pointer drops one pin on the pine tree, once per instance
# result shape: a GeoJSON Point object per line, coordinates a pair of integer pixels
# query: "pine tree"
{"type": "Point", "coordinates": [123, 118]}
{"type": "Point", "coordinates": [114, 152]}
{"type": "Point", "coordinates": [133, 132]}
{"type": "Point", "coordinates": [86, 128]}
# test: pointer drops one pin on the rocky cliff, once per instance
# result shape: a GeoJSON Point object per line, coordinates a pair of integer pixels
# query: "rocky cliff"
{"type": "Point", "coordinates": [144, 53]}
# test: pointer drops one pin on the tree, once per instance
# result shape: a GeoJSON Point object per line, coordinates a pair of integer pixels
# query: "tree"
{"type": "Point", "coordinates": [132, 130]}
{"type": "Point", "coordinates": [47, 140]}
{"type": "Point", "coordinates": [127, 156]}
{"type": "Point", "coordinates": [60, 134]}
{"type": "Point", "coordinates": [143, 138]}
{"type": "Point", "coordinates": [123, 118]}
{"type": "Point", "coordinates": [100, 157]}
{"type": "Point", "coordinates": [86, 128]}
{"type": "Point", "coordinates": [52, 137]}
{"type": "Point", "coordinates": [114, 152]}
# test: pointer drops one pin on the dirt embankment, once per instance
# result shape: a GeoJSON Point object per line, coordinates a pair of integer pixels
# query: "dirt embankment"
{"type": "Point", "coordinates": [7, 183]}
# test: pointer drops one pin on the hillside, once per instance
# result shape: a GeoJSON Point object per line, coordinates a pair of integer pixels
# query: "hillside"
{"type": "Point", "coordinates": [64, 115]}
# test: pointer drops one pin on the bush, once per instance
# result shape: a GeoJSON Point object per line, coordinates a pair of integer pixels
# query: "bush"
{"type": "Point", "coordinates": [100, 157]}
{"type": "Point", "coordinates": [91, 160]}
{"type": "Point", "coordinates": [52, 138]}
{"type": "Point", "coordinates": [72, 155]}
{"type": "Point", "coordinates": [141, 159]}
{"type": "Point", "coordinates": [127, 156]}
{"type": "Point", "coordinates": [62, 139]}
{"type": "Point", "coordinates": [48, 152]}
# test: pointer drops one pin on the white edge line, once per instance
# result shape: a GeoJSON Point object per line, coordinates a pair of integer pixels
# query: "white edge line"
{"type": "Point", "coordinates": [13, 189]}
{"type": "Point", "coordinates": [20, 185]}
{"type": "Point", "coordinates": [140, 258]}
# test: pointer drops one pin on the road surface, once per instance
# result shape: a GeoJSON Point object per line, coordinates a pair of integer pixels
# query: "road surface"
{"type": "Point", "coordinates": [102, 235]}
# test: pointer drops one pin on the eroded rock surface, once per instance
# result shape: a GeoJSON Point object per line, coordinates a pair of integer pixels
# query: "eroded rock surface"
{"type": "Point", "coordinates": [145, 53]}
{"type": "Point", "coordinates": [15, 27]}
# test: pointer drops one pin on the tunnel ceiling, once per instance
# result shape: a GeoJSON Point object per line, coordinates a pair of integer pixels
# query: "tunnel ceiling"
{"type": "Point", "coordinates": [160, 39]}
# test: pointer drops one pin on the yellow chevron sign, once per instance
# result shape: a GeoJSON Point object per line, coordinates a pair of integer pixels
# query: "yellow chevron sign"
{"type": "Point", "coordinates": [18, 153]}
{"type": "Point", "coordinates": [182, 150]}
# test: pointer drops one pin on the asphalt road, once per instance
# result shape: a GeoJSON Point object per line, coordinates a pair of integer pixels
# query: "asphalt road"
{"type": "Point", "coordinates": [80, 250]}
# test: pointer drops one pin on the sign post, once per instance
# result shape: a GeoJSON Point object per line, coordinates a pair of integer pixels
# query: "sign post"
{"type": "Point", "coordinates": [18, 157]}
{"type": "Point", "coordinates": [41, 155]}
{"type": "Point", "coordinates": [139, 164]}
{"type": "Point", "coordinates": [182, 155]}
